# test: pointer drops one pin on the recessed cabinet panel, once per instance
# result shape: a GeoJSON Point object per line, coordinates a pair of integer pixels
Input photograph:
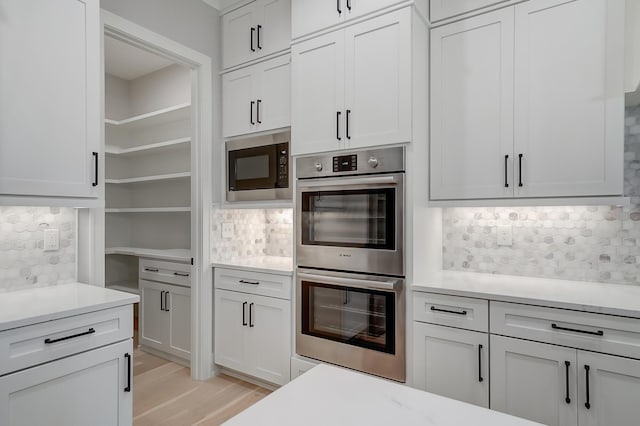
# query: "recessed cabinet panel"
{"type": "Point", "coordinates": [569, 97]}
{"type": "Point", "coordinates": [533, 381]}
{"type": "Point", "coordinates": [274, 109]}
{"type": "Point", "coordinates": [239, 43]}
{"type": "Point", "coordinates": [472, 108]}
{"type": "Point", "coordinates": [309, 16]}
{"type": "Point", "coordinates": [378, 81]}
{"type": "Point", "coordinates": [441, 9]}
{"type": "Point", "coordinates": [317, 117]}
{"type": "Point", "coordinates": [154, 322]}
{"type": "Point", "coordinates": [275, 26]}
{"type": "Point", "coordinates": [179, 305]}
{"type": "Point", "coordinates": [50, 103]}
{"type": "Point", "coordinates": [237, 93]}
{"type": "Point", "coordinates": [231, 320]}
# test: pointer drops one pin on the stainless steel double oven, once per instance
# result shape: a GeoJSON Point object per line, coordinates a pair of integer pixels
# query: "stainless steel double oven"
{"type": "Point", "coordinates": [350, 257]}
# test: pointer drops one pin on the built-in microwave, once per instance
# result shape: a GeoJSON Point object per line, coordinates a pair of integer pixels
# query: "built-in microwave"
{"type": "Point", "coordinates": [258, 168]}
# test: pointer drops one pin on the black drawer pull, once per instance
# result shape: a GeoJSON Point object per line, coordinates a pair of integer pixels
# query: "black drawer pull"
{"type": "Point", "coordinates": [258, 38]}
{"type": "Point", "coordinates": [251, 112]}
{"type": "Point", "coordinates": [96, 163]}
{"type": "Point", "coordinates": [162, 300]}
{"type": "Point", "coordinates": [506, 168]}
{"type": "Point", "coordinates": [433, 308]}
{"type": "Point", "coordinates": [587, 404]}
{"type": "Point", "coordinates": [253, 31]}
{"type": "Point", "coordinates": [180, 274]}
{"type": "Point", "coordinates": [480, 378]}
{"type": "Point", "coordinates": [520, 184]}
{"type": "Point", "coordinates": [49, 341]}
{"type": "Point", "coordinates": [348, 119]}
{"type": "Point", "coordinates": [151, 269]}
{"type": "Point", "coordinates": [594, 333]}
{"type": "Point", "coordinates": [258, 102]}
{"type": "Point", "coordinates": [166, 301]}
{"type": "Point", "coordinates": [250, 282]}
{"type": "Point", "coordinates": [338, 114]}
{"type": "Point", "coordinates": [128, 388]}
{"type": "Point", "coordinates": [244, 314]}
{"type": "Point", "coordinates": [251, 324]}
{"type": "Point", "coordinates": [567, 399]}
{"type": "Point", "coordinates": [349, 5]}
{"type": "Point", "coordinates": [338, 7]}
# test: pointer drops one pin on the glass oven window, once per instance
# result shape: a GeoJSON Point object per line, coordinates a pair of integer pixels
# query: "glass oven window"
{"type": "Point", "coordinates": [358, 317]}
{"type": "Point", "coordinates": [350, 218]}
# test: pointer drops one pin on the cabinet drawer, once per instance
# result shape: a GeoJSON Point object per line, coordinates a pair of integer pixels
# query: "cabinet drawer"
{"type": "Point", "coordinates": [442, 9]}
{"type": "Point", "coordinates": [39, 343]}
{"type": "Point", "coordinates": [582, 330]}
{"type": "Point", "coordinates": [454, 311]}
{"type": "Point", "coordinates": [253, 282]}
{"type": "Point", "coordinates": [166, 272]}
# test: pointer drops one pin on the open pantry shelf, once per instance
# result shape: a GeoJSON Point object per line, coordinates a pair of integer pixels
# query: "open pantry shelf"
{"type": "Point", "coordinates": [154, 118]}
{"type": "Point", "coordinates": [152, 148]}
{"type": "Point", "coordinates": [150, 210]}
{"type": "Point", "coordinates": [126, 286]}
{"type": "Point", "coordinates": [154, 178]}
{"type": "Point", "coordinates": [178, 255]}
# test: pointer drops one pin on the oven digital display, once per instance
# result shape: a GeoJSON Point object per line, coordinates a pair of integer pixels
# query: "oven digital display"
{"type": "Point", "coordinates": [345, 163]}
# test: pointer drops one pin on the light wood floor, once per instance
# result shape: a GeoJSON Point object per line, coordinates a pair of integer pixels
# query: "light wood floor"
{"type": "Point", "coordinates": [165, 394]}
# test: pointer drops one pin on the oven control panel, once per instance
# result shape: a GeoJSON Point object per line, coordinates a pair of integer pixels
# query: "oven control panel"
{"type": "Point", "coordinates": [345, 163]}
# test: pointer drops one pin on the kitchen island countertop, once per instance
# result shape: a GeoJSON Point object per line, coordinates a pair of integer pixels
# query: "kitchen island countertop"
{"type": "Point", "coordinates": [328, 395]}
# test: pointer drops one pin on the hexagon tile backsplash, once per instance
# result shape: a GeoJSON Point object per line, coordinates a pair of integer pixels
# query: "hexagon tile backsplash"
{"type": "Point", "coordinates": [23, 261]}
{"type": "Point", "coordinates": [576, 243]}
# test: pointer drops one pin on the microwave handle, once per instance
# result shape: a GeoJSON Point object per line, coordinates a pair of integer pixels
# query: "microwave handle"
{"type": "Point", "coordinates": [348, 182]}
{"type": "Point", "coordinates": [350, 282]}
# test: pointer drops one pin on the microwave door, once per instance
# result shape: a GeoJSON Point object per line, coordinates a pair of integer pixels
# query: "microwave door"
{"type": "Point", "coordinates": [253, 168]}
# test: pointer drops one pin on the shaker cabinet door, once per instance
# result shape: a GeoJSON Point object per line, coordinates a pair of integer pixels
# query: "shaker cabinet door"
{"type": "Point", "coordinates": [239, 36]}
{"type": "Point", "coordinates": [50, 79]}
{"type": "Point", "coordinates": [179, 306]}
{"type": "Point", "coordinates": [309, 16]}
{"type": "Point", "coordinates": [239, 102]}
{"type": "Point", "coordinates": [273, 104]}
{"type": "Point", "coordinates": [231, 324]}
{"type": "Point", "coordinates": [154, 322]}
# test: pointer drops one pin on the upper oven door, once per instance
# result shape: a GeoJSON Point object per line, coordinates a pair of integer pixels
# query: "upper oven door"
{"type": "Point", "coordinates": [352, 223]}
{"type": "Point", "coordinates": [252, 168]}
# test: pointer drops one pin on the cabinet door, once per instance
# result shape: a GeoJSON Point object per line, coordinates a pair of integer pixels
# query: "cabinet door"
{"type": "Point", "coordinates": [231, 323]}
{"type": "Point", "coordinates": [452, 363]}
{"type": "Point", "coordinates": [569, 97]}
{"type": "Point", "coordinates": [317, 109]}
{"type": "Point", "coordinates": [472, 108]}
{"type": "Point", "coordinates": [441, 9]}
{"type": "Point", "coordinates": [274, 33]}
{"type": "Point", "coordinates": [378, 81]}
{"type": "Point", "coordinates": [239, 42]}
{"type": "Point", "coordinates": [50, 103]}
{"type": "Point", "coordinates": [269, 347]}
{"type": "Point", "coordinates": [357, 8]}
{"type": "Point", "coordinates": [309, 16]}
{"type": "Point", "coordinates": [239, 102]}
{"type": "Point", "coordinates": [179, 306]}
{"type": "Point", "coordinates": [85, 389]}
{"type": "Point", "coordinates": [154, 322]}
{"type": "Point", "coordinates": [273, 108]}
{"type": "Point", "coordinates": [613, 390]}
{"type": "Point", "coordinates": [529, 380]}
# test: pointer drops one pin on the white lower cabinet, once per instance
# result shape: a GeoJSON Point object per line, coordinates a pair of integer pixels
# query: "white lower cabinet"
{"type": "Point", "coordinates": [85, 389]}
{"type": "Point", "coordinates": [452, 362]}
{"type": "Point", "coordinates": [166, 318]}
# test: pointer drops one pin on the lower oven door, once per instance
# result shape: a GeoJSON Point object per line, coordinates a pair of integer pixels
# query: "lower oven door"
{"type": "Point", "coordinates": [352, 320]}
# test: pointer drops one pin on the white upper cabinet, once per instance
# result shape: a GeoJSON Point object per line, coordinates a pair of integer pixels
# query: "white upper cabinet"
{"type": "Point", "coordinates": [528, 102]}
{"type": "Point", "coordinates": [632, 51]}
{"type": "Point", "coordinates": [310, 16]}
{"type": "Point", "coordinates": [569, 97]}
{"type": "Point", "coordinates": [257, 98]}
{"type": "Point", "coordinates": [441, 9]}
{"type": "Point", "coordinates": [353, 87]}
{"type": "Point", "coordinates": [256, 30]}
{"type": "Point", "coordinates": [472, 107]}
{"type": "Point", "coordinates": [50, 80]}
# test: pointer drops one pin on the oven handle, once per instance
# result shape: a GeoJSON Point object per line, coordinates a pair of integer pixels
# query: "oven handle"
{"type": "Point", "coordinates": [350, 282]}
{"type": "Point", "coordinates": [348, 182]}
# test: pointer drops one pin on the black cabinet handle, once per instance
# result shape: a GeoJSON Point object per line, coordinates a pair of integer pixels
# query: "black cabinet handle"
{"type": "Point", "coordinates": [180, 274]}
{"type": "Point", "coordinates": [348, 118]}
{"type": "Point", "coordinates": [258, 102]}
{"type": "Point", "coordinates": [250, 282]}
{"type": "Point", "coordinates": [166, 301]}
{"type": "Point", "coordinates": [162, 300]}
{"type": "Point", "coordinates": [50, 341]}
{"type": "Point", "coordinates": [244, 314]}
{"type": "Point", "coordinates": [480, 378]}
{"type": "Point", "coordinates": [151, 269]}
{"type": "Point", "coordinates": [338, 7]}
{"type": "Point", "coordinates": [258, 38]}
{"type": "Point", "coordinates": [338, 114]}
{"type": "Point", "coordinates": [520, 168]}
{"type": "Point", "coordinates": [587, 404]}
{"type": "Point", "coordinates": [253, 31]}
{"type": "Point", "coordinates": [96, 165]}
{"type": "Point", "coordinates": [506, 168]}
{"type": "Point", "coordinates": [251, 112]}
{"type": "Point", "coordinates": [251, 315]}
{"type": "Point", "coordinates": [349, 5]}
{"type": "Point", "coordinates": [567, 399]}
{"type": "Point", "coordinates": [433, 308]}
{"type": "Point", "coordinates": [574, 330]}
{"type": "Point", "coordinates": [128, 388]}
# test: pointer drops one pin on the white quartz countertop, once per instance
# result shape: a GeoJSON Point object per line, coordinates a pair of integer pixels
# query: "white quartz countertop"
{"type": "Point", "coordinates": [613, 299]}
{"type": "Point", "coordinates": [327, 395]}
{"type": "Point", "coordinates": [177, 255]}
{"type": "Point", "coordinates": [265, 264]}
{"type": "Point", "coordinates": [31, 306]}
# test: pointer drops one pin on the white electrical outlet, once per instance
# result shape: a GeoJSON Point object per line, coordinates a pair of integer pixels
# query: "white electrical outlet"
{"type": "Point", "coordinates": [51, 240]}
{"type": "Point", "coordinates": [505, 235]}
{"type": "Point", "coordinates": [227, 230]}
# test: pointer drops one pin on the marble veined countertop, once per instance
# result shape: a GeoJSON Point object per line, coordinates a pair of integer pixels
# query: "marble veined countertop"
{"type": "Point", "coordinates": [327, 395]}
{"type": "Point", "coordinates": [265, 264]}
{"type": "Point", "coordinates": [20, 308]}
{"type": "Point", "coordinates": [612, 299]}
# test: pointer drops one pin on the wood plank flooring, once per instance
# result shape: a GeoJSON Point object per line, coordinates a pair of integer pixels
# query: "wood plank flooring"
{"type": "Point", "coordinates": [165, 394]}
